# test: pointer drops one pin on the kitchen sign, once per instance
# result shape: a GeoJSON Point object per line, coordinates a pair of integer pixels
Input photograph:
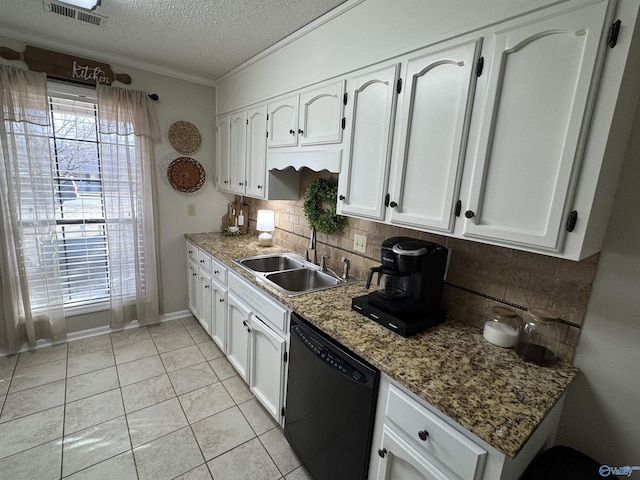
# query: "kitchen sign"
{"type": "Point", "coordinates": [65, 67]}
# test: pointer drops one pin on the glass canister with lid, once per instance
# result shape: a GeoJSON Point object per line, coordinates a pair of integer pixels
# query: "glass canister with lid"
{"type": "Point", "coordinates": [539, 337]}
{"type": "Point", "coordinates": [502, 329]}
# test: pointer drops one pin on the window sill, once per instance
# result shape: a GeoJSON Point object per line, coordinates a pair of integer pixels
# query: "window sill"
{"type": "Point", "coordinates": [86, 309]}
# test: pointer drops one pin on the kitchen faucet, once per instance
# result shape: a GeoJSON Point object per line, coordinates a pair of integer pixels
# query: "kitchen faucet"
{"type": "Point", "coordinates": [311, 253]}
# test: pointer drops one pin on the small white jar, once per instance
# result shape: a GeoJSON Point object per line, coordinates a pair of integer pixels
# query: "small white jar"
{"type": "Point", "coordinates": [502, 329]}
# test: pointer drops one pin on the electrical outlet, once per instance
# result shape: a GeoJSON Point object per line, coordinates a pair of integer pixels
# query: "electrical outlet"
{"type": "Point", "coordinates": [360, 243]}
{"type": "Point", "coordinates": [276, 220]}
{"type": "Point", "coordinates": [191, 209]}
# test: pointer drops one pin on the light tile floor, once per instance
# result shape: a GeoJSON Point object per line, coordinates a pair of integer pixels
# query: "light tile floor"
{"type": "Point", "coordinates": [155, 402]}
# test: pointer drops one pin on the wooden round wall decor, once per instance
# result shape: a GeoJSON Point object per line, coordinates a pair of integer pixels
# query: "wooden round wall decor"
{"type": "Point", "coordinates": [184, 137]}
{"type": "Point", "coordinates": [186, 175]}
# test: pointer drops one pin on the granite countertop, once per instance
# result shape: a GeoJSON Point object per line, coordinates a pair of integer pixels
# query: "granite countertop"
{"type": "Point", "coordinates": [486, 389]}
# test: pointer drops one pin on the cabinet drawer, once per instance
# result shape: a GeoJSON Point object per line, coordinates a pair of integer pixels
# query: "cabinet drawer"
{"type": "Point", "coordinates": [219, 271]}
{"type": "Point", "coordinates": [192, 252]}
{"type": "Point", "coordinates": [204, 260]}
{"type": "Point", "coordinates": [442, 443]}
{"type": "Point", "coordinates": [269, 311]}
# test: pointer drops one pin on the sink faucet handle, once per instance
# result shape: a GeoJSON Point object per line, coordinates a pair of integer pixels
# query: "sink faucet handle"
{"type": "Point", "coordinates": [345, 267]}
{"type": "Point", "coordinates": [323, 263]}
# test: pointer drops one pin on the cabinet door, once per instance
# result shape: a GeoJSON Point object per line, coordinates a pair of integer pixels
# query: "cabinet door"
{"type": "Point", "coordinates": [266, 376]}
{"type": "Point", "coordinates": [204, 300]}
{"type": "Point", "coordinates": [219, 315]}
{"type": "Point", "coordinates": [362, 184]}
{"type": "Point", "coordinates": [222, 152]}
{"type": "Point", "coordinates": [256, 151]}
{"type": "Point", "coordinates": [397, 460]}
{"type": "Point", "coordinates": [238, 328]}
{"type": "Point", "coordinates": [283, 122]}
{"type": "Point", "coordinates": [192, 274]}
{"type": "Point", "coordinates": [532, 128]}
{"type": "Point", "coordinates": [237, 149]}
{"type": "Point", "coordinates": [321, 115]}
{"type": "Point", "coordinates": [435, 117]}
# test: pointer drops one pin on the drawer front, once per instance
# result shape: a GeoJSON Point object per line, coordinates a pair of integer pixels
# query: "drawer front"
{"type": "Point", "coordinates": [439, 441]}
{"type": "Point", "coordinates": [192, 252]}
{"type": "Point", "coordinates": [219, 271]}
{"type": "Point", "coordinates": [204, 260]}
{"type": "Point", "coordinates": [269, 311]}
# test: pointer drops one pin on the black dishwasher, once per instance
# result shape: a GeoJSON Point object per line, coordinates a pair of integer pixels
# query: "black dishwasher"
{"type": "Point", "coordinates": [331, 402]}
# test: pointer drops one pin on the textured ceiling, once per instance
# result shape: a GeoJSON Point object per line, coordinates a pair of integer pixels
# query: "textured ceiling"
{"type": "Point", "coordinates": [195, 39]}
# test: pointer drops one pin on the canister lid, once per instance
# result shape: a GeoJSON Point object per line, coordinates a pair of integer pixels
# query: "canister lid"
{"type": "Point", "coordinates": [541, 314]}
{"type": "Point", "coordinates": [503, 312]}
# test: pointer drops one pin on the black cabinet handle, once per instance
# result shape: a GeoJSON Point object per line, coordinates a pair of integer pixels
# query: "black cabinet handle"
{"type": "Point", "coordinates": [240, 183]}
{"type": "Point", "coordinates": [292, 132]}
{"type": "Point", "coordinates": [259, 187]}
{"type": "Point", "coordinates": [382, 452]}
{"type": "Point", "coordinates": [221, 300]}
{"type": "Point", "coordinates": [341, 197]}
{"type": "Point", "coordinates": [206, 286]}
{"type": "Point", "coordinates": [300, 131]}
{"type": "Point", "coordinates": [201, 261]}
{"type": "Point", "coordinates": [194, 274]}
{"type": "Point", "coordinates": [424, 435]}
{"type": "Point", "coordinates": [216, 272]}
{"type": "Point", "coordinates": [393, 204]}
{"type": "Point", "coordinates": [469, 214]}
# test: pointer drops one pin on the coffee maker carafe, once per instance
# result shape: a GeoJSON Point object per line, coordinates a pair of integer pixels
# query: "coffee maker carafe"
{"type": "Point", "coordinates": [411, 280]}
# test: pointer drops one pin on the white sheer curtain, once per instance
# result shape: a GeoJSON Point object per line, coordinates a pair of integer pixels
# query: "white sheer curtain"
{"type": "Point", "coordinates": [127, 125]}
{"type": "Point", "coordinates": [30, 288]}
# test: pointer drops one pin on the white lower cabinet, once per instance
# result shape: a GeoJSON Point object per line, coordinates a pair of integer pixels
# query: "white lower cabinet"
{"type": "Point", "coordinates": [207, 290]}
{"type": "Point", "coordinates": [412, 440]}
{"type": "Point", "coordinates": [257, 334]}
{"type": "Point", "coordinates": [399, 460]}
{"type": "Point", "coordinates": [238, 330]}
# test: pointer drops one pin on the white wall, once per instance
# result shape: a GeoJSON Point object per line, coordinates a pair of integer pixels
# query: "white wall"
{"type": "Point", "coordinates": [601, 415]}
{"type": "Point", "coordinates": [179, 100]}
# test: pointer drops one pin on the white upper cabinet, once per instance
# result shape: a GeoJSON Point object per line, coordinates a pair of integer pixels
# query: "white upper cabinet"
{"type": "Point", "coordinates": [321, 115]}
{"type": "Point", "coordinates": [283, 122]}
{"type": "Point", "coordinates": [237, 152]}
{"type": "Point", "coordinates": [532, 129]}
{"type": "Point", "coordinates": [223, 132]}
{"type": "Point", "coordinates": [434, 121]}
{"type": "Point", "coordinates": [256, 166]}
{"type": "Point", "coordinates": [312, 117]}
{"type": "Point", "coordinates": [363, 181]}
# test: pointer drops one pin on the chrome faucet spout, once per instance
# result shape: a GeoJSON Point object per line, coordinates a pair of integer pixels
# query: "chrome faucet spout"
{"type": "Point", "coordinates": [311, 255]}
{"type": "Point", "coordinates": [345, 267]}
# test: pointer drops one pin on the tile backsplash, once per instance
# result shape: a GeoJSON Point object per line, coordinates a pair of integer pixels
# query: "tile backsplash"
{"type": "Point", "coordinates": [479, 277]}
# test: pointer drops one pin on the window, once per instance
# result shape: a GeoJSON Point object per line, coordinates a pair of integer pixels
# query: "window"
{"type": "Point", "coordinates": [78, 196]}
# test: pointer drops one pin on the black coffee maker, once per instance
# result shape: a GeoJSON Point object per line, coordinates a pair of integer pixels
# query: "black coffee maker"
{"type": "Point", "coordinates": [411, 280]}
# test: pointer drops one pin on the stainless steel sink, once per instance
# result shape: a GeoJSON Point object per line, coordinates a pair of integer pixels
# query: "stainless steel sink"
{"type": "Point", "coordinates": [290, 273]}
{"type": "Point", "coordinates": [270, 263]}
{"type": "Point", "coordinates": [303, 280]}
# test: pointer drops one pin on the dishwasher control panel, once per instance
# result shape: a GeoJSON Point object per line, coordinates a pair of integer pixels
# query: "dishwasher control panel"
{"type": "Point", "coordinates": [328, 355]}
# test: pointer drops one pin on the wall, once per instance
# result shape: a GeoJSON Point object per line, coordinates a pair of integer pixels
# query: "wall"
{"type": "Point", "coordinates": [179, 100]}
{"type": "Point", "coordinates": [480, 276]}
{"type": "Point", "coordinates": [601, 411]}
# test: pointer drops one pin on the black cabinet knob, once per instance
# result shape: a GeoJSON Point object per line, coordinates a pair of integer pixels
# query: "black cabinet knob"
{"type": "Point", "coordinates": [225, 181]}
{"type": "Point", "coordinates": [469, 214]}
{"type": "Point", "coordinates": [424, 435]}
{"type": "Point", "coordinates": [240, 183]}
{"type": "Point", "coordinates": [206, 286]}
{"type": "Point", "coordinates": [221, 300]}
{"type": "Point", "coordinates": [194, 274]}
{"type": "Point", "coordinates": [259, 187]}
{"type": "Point", "coordinates": [341, 197]}
{"type": "Point", "coordinates": [292, 132]}
{"type": "Point", "coordinates": [382, 452]}
{"type": "Point", "coordinates": [216, 272]}
{"type": "Point", "coordinates": [300, 131]}
{"type": "Point", "coordinates": [393, 204]}
{"type": "Point", "coordinates": [201, 261]}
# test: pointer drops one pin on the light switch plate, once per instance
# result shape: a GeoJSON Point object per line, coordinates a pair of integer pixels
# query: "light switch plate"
{"type": "Point", "coordinates": [191, 209]}
{"type": "Point", "coordinates": [360, 243]}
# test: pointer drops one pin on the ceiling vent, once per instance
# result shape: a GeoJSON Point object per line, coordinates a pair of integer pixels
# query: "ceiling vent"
{"type": "Point", "coordinates": [78, 14]}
